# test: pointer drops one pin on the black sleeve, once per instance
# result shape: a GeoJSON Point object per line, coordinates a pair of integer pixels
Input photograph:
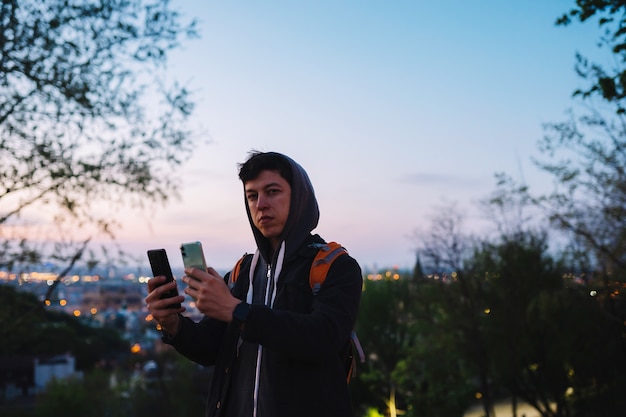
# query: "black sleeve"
{"type": "Point", "coordinates": [200, 341]}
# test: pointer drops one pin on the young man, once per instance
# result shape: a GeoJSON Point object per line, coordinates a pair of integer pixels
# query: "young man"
{"type": "Point", "coordinates": [278, 349]}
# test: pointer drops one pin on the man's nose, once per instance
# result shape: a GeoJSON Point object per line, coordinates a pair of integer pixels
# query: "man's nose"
{"type": "Point", "coordinates": [261, 202]}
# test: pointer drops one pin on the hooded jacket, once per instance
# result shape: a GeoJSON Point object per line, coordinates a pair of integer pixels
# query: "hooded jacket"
{"type": "Point", "coordinates": [289, 358]}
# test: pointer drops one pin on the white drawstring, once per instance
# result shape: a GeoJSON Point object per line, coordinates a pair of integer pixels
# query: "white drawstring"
{"type": "Point", "coordinates": [272, 279]}
{"type": "Point", "coordinates": [255, 260]}
{"type": "Point", "coordinates": [277, 269]}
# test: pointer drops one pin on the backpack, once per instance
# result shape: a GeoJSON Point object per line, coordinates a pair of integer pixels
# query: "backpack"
{"type": "Point", "coordinates": [326, 255]}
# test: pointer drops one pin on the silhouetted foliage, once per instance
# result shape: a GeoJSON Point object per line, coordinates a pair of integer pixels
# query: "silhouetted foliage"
{"type": "Point", "coordinates": [47, 332]}
{"type": "Point", "coordinates": [413, 362]}
{"type": "Point", "coordinates": [87, 120]}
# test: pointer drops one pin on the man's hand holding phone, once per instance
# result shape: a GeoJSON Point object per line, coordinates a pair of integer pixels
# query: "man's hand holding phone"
{"type": "Point", "coordinates": [163, 300]}
{"type": "Point", "coordinates": [213, 298]}
{"type": "Point", "coordinates": [161, 308]}
{"type": "Point", "coordinates": [206, 285]}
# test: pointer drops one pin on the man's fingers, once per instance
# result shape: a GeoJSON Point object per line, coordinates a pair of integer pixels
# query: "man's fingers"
{"type": "Point", "coordinates": [159, 282]}
{"type": "Point", "coordinates": [155, 282]}
{"type": "Point", "coordinates": [194, 274]}
{"type": "Point", "coordinates": [160, 290]}
{"type": "Point", "coordinates": [164, 307]}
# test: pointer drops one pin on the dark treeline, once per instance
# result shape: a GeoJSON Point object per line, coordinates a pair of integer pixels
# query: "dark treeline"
{"type": "Point", "coordinates": [510, 322]}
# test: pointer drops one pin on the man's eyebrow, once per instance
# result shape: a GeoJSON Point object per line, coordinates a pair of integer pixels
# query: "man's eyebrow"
{"type": "Point", "coordinates": [271, 184]}
{"type": "Point", "coordinates": [263, 187]}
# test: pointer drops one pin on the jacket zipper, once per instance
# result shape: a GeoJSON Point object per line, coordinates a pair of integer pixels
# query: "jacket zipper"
{"type": "Point", "coordinates": [259, 354]}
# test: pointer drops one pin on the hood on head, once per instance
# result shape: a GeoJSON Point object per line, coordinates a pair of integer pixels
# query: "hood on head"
{"type": "Point", "coordinates": [303, 214]}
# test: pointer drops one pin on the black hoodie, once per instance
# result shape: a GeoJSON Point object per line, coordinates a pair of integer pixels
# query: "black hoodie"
{"type": "Point", "coordinates": [298, 339]}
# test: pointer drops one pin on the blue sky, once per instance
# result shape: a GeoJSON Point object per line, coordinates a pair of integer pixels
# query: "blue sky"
{"type": "Point", "coordinates": [395, 108]}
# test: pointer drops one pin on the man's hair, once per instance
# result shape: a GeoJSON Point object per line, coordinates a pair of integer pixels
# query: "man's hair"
{"type": "Point", "coordinates": [265, 161]}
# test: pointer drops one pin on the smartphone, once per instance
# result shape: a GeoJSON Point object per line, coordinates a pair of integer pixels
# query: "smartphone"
{"type": "Point", "coordinates": [161, 266]}
{"type": "Point", "coordinates": [193, 256]}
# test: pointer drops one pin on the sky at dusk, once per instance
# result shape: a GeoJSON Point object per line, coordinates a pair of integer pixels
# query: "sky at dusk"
{"type": "Point", "coordinates": [395, 109]}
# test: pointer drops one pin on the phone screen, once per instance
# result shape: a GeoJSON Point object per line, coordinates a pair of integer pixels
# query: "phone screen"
{"type": "Point", "coordinates": [193, 255]}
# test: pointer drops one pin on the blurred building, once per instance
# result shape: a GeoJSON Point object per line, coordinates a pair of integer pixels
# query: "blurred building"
{"type": "Point", "coordinates": [112, 296]}
{"type": "Point", "coordinates": [24, 376]}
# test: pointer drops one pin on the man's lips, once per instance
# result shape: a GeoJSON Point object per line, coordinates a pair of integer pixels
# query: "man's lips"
{"type": "Point", "coordinates": [265, 219]}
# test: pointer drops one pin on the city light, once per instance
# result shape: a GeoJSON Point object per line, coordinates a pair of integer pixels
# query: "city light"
{"type": "Point", "coordinates": [76, 313]}
{"type": "Point", "coordinates": [389, 275]}
{"type": "Point", "coordinates": [136, 348]}
{"type": "Point", "coordinates": [48, 277]}
{"type": "Point", "coordinates": [62, 303]}
{"type": "Point", "coordinates": [375, 277]}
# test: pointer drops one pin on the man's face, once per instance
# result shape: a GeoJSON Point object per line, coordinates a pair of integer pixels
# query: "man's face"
{"type": "Point", "coordinates": [269, 198]}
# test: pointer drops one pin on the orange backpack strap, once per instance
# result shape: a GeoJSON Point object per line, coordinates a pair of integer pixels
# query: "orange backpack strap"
{"type": "Point", "coordinates": [350, 361]}
{"type": "Point", "coordinates": [234, 274]}
{"type": "Point", "coordinates": [325, 257]}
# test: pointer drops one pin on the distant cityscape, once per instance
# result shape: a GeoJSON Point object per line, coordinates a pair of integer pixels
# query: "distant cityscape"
{"type": "Point", "coordinates": [96, 296]}
{"type": "Point", "coordinates": [108, 296]}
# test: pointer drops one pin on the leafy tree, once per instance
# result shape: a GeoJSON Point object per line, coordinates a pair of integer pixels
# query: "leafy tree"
{"type": "Point", "coordinates": [51, 333]}
{"type": "Point", "coordinates": [576, 358]}
{"type": "Point", "coordinates": [409, 326]}
{"type": "Point", "coordinates": [415, 364]}
{"type": "Point", "coordinates": [532, 332]}
{"type": "Point", "coordinates": [90, 396]}
{"type": "Point", "coordinates": [179, 389]}
{"type": "Point", "coordinates": [383, 328]}
{"type": "Point", "coordinates": [172, 392]}
{"type": "Point", "coordinates": [445, 249]}
{"type": "Point", "coordinates": [435, 376]}
{"type": "Point", "coordinates": [517, 271]}
{"type": "Point", "coordinates": [586, 155]}
{"type": "Point", "coordinates": [89, 124]}
{"type": "Point", "coordinates": [610, 15]}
